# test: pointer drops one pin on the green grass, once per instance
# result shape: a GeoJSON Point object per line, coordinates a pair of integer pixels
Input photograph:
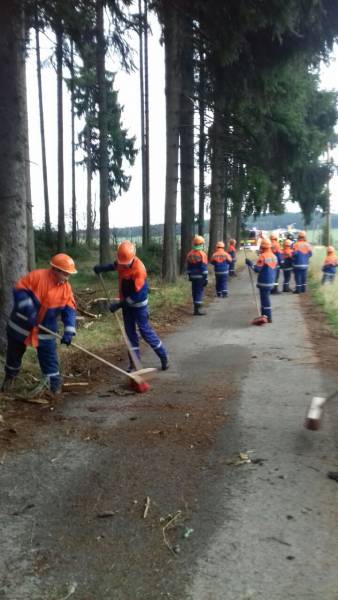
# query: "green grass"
{"type": "Point", "coordinates": [325, 296]}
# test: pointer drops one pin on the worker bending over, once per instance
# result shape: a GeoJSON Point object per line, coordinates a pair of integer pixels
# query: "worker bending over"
{"type": "Point", "coordinates": [286, 265]}
{"type": "Point", "coordinates": [300, 261]}
{"type": "Point", "coordinates": [266, 268]}
{"type": "Point", "coordinates": [329, 267]}
{"type": "Point", "coordinates": [39, 298]}
{"type": "Point", "coordinates": [233, 253]}
{"type": "Point", "coordinates": [133, 293]}
{"type": "Point", "coordinates": [221, 261]}
{"type": "Point", "coordinates": [197, 271]}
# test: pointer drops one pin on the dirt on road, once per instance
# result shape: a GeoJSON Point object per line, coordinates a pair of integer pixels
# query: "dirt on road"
{"type": "Point", "coordinates": [185, 492]}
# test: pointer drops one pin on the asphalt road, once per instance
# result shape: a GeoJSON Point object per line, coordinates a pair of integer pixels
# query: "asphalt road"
{"type": "Point", "coordinates": [74, 480]}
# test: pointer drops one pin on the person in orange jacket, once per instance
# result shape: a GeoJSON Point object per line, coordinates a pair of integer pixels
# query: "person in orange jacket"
{"type": "Point", "coordinates": [302, 253]}
{"type": "Point", "coordinates": [133, 292]}
{"type": "Point", "coordinates": [221, 261]}
{"type": "Point", "coordinates": [197, 271]}
{"type": "Point", "coordinates": [265, 267]}
{"type": "Point", "coordinates": [329, 266]}
{"type": "Point", "coordinates": [286, 264]}
{"type": "Point", "coordinates": [233, 253]}
{"type": "Point", "coordinates": [276, 249]}
{"type": "Point", "coordinates": [40, 297]}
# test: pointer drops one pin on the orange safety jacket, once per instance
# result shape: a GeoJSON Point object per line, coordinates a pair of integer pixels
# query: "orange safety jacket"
{"type": "Point", "coordinates": [40, 299]}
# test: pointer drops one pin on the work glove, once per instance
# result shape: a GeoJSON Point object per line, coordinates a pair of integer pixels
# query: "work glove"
{"type": "Point", "coordinates": [67, 338]}
{"type": "Point", "coordinates": [205, 283]}
{"type": "Point", "coordinates": [116, 306]}
{"type": "Point", "coordinates": [248, 262]}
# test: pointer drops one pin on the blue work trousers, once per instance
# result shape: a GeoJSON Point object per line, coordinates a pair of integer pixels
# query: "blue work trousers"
{"type": "Point", "coordinates": [286, 282]}
{"type": "Point", "coordinates": [221, 282]}
{"type": "Point", "coordinates": [300, 279]}
{"type": "Point", "coordinates": [139, 318]}
{"type": "Point", "coordinates": [47, 356]}
{"type": "Point", "coordinates": [197, 290]}
{"type": "Point", "coordinates": [264, 293]}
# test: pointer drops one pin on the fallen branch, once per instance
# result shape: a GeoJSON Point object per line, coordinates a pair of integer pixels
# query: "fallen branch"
{"type": "Point", "coordinates": [86, 313]}
{"type": "Point", "coordinates": [176, 516]}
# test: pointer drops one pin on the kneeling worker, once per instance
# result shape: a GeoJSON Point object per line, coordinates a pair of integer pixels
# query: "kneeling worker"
{"type": "Point", "coordinates": [39, 298]}
{"type": "Point", "coordinates": [133, 289]}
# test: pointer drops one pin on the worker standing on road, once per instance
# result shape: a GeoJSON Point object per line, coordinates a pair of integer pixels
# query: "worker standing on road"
{"type": "Point", "coordinates": [276, 249]}
{"type": "Point", "coordinates": [329, 266]}
{"type": "Point", "coordinates": [265, 266]}
{"type": "Point", "coordinates": [233, 253]}
{"type": "Point", "coordinates": [300, 261]}
{"type": "Point", "coordinates": [221, 261]}
{"type": "Point", "coordinates": [286, 265]}
{"type": "Point", "coordinates": [39, 298]}
{"type": "Point", "coordinates": [133, 292]}
{"type": "Point", "coordinates": [197, 271]}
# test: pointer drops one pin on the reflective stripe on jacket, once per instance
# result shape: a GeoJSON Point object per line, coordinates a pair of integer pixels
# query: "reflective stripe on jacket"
{"type": "Point", "coordinates": [266, 268]}
{"type": "Point", "coordinates": [197, 264]}
{"type": "Point", "coordinates": [301, 255]}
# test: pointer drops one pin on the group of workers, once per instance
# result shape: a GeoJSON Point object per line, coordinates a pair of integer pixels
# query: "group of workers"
{"type": "Point", "coordinates": [44, 295]}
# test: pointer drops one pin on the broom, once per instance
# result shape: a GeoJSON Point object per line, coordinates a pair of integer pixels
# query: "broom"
{"type": "Point", "coordinates": [261, 319]}
{"type": "Point", "coordinates": [136, 381]}
{"type": "Point", "coordinates": [315, 413]}
{"type": "Point", "coordinates": [133, 356]}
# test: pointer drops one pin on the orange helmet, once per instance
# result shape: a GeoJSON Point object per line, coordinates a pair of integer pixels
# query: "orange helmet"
{"type": "Point", "coordinates": [265, 244]}
{"type": "Point", "coordinates": [125, 253]}
{"type": "Point", "coordinates": [287, 243]}
{"type": "Point", "coordinates": [64, 263]}
{"type": "Point", "coordinates": [273, 237]}
{"type": "Point", "coordinates": [220, 245]}
{"type": "Point", "coordinates": [301, 235]}
{"type": "Point", "coordinates": [232, 242]}
{"type": "Point", "coordinates": [330, 249]}
{"type": "Point", "coordinates": [197, 240]}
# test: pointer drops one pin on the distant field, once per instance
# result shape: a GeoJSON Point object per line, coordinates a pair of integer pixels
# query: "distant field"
{"type": "Point", "coordinates": [315, 236]}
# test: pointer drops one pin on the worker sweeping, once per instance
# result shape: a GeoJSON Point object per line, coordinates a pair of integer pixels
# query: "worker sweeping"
{"type": "Point", "coordinates": [265, 266]}
{"type": "Point", "coordinates": [329, 267]}
{"type": "Point", "coordinates": [233, 254]}
{"type": "Point", "coordinates": [133, 293]}
{"type": "Point", "coordinates": [286, 264]}
{"type": "Point", "coordinates": [302, 253]}
{"type": "Point", "coordinates": [221, 262]}
{"type": "Point", "coordinates": [39, 298]}
{"type": "Point", "coordinates": [197, 271]}
{"type": "Point", "coordinates": [276, 249]}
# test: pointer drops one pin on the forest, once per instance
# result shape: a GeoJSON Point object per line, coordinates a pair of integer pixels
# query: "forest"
{"type": "Point", "coordinates": [244, 111]}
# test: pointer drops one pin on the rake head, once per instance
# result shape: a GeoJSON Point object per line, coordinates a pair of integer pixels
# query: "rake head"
{"type": "Point", "coordinates": [262, 320]}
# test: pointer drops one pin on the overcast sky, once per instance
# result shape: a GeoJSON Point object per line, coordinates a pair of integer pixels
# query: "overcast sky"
{"type": "Point", "coordinates": [127, 210]}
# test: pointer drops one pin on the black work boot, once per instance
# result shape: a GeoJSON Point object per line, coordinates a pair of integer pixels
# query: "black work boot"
{"type": "Point", "coordinates": [7, 384]}
{"type": "Point", "coordinates": [198, 311]}
{"type": "Point", "coordinates": [164, 363]}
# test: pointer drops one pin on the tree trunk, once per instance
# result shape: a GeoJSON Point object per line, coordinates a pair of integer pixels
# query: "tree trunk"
{"type": "Point", "coordinates": [146, 215]}
{"type": "Point", "coordinates": [61, 241]}
{"type": "Point", "coordinates": [103, 159]}
{"type": "Point", "coordinates": [30, 229]}
{"type": "Point", "coordinates": [141, 54]}
{"type": "Point", "coordinates": [201, 145]}
{"type": "Point", "coordinates": [89, 230]}
{"type": "Point", "coordinates": [74, 228]}
{"type": "Point", "coordinates": [217, 172]}
{"type": "Point", "coordinates": [13, 222]}
{"type": "Point", "coordinates": [42, 132]}
{"type": "Point", "coordinates": [187, 143]}
{"type": "Point", "coordinates": [172, 91]}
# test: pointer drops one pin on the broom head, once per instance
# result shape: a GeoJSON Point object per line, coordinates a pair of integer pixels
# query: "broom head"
{"type": "Point", "coordinates": [262, 320]}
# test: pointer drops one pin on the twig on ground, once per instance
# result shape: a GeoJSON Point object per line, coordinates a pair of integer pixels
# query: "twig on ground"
{"type": "Point", "coordinates": [176, 516]}
{"type": "Point", "coordinates": [146, 508]}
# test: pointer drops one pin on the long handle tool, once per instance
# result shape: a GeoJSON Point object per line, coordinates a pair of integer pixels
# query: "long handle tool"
{"type": "Point", "coordinates": [260, 319]}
